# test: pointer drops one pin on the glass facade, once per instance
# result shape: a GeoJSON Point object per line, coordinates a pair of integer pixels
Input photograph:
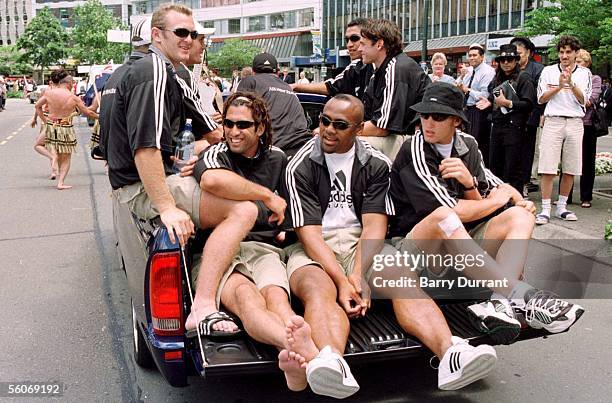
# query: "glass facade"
{"type": "Point", "coordinates": [446, 17]}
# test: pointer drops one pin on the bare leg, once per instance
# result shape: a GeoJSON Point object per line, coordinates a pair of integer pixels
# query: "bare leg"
{"type": "Point", "coordinates": [546, 184]}
{"type": "Point", "coordinates": [241, 296]}
{"type": "Point", "coordinates": [318, 293]}
{"type": "Point", "coordinates": [39, 147]}
{"type": "Point", "coordinates": [232, 221]}
{"type": "Point", "coordinates": [513, 228]}
{"type": "Point", "coordinates": [567, 181]}
{"type": "Point", "coordinates": [277, 301]}
{"type": "Point", "coordinates": [423, 319]}
{"type": "Point", "coordinates": [64, 167]}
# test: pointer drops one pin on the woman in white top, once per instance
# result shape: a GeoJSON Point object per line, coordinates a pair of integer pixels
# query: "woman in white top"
{"type": "Point", "coordinates": [303, 79]}
{"type": "Point", "coordinates": [438, 63]}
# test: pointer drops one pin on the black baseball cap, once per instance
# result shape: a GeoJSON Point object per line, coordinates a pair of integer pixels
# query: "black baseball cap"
{"type": "Point", "coordinates": [265, 63]}
{"type": "Point", "coordinates": [442, 98]}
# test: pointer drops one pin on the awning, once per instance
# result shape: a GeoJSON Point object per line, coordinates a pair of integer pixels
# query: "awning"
{"type": "Point", "coordinates": [282, 47]}
{"type": "Point", "coordinates": [452, 44]}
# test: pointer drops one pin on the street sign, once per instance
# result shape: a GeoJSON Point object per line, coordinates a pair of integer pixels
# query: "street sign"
{"type": "Point", "coordinates": [323, 69]}
{"type": "Point", "coordinates": [117, 35]}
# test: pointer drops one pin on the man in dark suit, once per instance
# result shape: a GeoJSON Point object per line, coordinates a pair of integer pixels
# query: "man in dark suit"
{"type": "Point", "coordinates": [286, 77]}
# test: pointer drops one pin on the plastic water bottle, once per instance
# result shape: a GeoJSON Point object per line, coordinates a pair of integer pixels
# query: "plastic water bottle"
{"type": "Point", "coordinates": [184, 148]}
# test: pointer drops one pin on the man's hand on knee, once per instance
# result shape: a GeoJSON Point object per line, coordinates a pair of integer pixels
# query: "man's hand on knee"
{"type": "Point", "coordinates": [527, 205]}
{"type": "Point", "coordinates": [176, 220]}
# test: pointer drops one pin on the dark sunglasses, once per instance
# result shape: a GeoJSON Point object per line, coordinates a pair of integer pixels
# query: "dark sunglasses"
{"type": "Point", "coordinates": [183, 32]}
{"type": "Point", "coordinates": [353, 38]}
{"type": "Point", "coordinates": [506, 59]}
{"type": "Point", "coordinates": [241, 124]}
{"type": "Point", "coordinates": [338, 124]}
{"type": "Point", "coordinates": [438, 117]}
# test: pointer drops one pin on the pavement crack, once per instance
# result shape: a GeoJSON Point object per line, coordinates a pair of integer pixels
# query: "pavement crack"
{"type": "Point", "coordinates": [46, 236]}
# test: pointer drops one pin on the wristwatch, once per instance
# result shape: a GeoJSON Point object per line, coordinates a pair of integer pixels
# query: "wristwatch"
{"type": "Point", "coordinates": [474, 184]}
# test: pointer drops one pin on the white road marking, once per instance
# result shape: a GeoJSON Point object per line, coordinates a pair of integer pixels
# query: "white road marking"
{"type": "Point", "coordinates": [9, 137]}
{"type": "Point", "coordinates": [3, 143]}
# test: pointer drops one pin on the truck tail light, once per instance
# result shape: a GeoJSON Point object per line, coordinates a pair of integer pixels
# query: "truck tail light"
{"type": "Point", "coordinates": [166, 294]}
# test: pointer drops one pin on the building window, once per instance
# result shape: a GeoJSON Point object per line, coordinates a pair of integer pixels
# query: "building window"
{"type": "Point", "coordinates": [307, 18]}
{"type": "Point", "coordinates": [257, 23]}
{"type": "Point", "coordinates": [233, 26]}
{"type": "Point", "coordinates": [208, 24]}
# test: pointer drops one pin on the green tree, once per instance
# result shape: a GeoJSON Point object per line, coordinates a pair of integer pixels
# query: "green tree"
{"type": "Point", "coordinates": [588, 20]}
{"type": "Point", "coordinates": [44, 41]}
{"type": "Point", "coordinates": [91, 21]}
{"type": "Point", "coordinates": [12, 61]}
{"type": "Point", "coordinates": [234, 54]}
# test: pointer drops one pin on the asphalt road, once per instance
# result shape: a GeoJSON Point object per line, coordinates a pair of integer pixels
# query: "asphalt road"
{"type": "Point", "coordinates": [65, 309]}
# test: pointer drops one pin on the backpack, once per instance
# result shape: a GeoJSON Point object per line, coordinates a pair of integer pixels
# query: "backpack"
{"type": "Point", "coordinates": [602, 109]}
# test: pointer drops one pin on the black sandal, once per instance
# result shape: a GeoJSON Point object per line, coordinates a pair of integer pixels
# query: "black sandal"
{"type": "Point", "coordinates": [206, 327]}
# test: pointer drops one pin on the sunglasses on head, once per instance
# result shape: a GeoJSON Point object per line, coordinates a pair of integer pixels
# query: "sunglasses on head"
{"type": "Point", "coordinates": [183, 32]}
{"type": "Point", "coordinates": [338, 124]}
{"type": "Point", "coordinates": [438, 117]}
{"type": "Point", "coordinates": [241, 124]}
{"type": "Point", "coordinates": [353, 38]}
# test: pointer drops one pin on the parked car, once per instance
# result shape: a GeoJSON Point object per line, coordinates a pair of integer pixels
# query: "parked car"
{"type": "Point", "coordinates": [158, 273]}
{"type": "Point", "coordinates": [34, 96]}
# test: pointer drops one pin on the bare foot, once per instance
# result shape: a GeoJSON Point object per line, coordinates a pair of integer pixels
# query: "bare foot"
{"type": "Point", "coordinates": [294, 367]}
{"type": "Point", "coordinates": [63, 187]}
{"type": "Point", "coordinates": [204, 311]}
{"type": "Point", "coordinates": [299, 338]}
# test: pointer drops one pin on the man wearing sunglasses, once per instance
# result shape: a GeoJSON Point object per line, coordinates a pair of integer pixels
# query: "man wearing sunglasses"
{"type": "Point", "coordinates": [397, 83]}
{"type": "Point", "coordinates": [337, 195]}
{"type": "Point", "coordinates": [444, 195]}
{"type": "Point", "coordinates": [354, 78]}
{"type": "Point", "coordinates": [148, 113]}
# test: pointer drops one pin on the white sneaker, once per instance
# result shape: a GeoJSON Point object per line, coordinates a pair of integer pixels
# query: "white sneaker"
{"type": "Point", "coordinates": [463, 364]}
{"type": "Point", "coordinates": [544, 310]}
{"type": "Point", "coordinates": [495, 318]}
{"type": "Point", "coordinates": [328, 374]}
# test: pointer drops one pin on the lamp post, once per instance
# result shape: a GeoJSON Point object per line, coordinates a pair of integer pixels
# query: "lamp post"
{"type": "Point", "coordinates": [425, 31]}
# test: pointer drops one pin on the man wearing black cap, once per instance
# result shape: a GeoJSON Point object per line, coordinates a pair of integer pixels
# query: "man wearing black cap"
{"type": "Point", "coordinates": [474, 86]}
{"type": "Point", "coordinates": [526, 49]}
{"type": "Point", "coordinates": [442, 191]}
{"type": "Point", "coordinates": [289, 124]}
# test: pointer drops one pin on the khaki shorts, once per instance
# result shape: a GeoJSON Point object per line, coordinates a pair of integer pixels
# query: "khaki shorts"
{"type": "Point", "coordinates": [185, 191]}
{"type": "Point", "coordinates": [389, 145]}
{"type": "Point", "coordinates": [343, 242]}
{"type": "Point", "coordinates": [259, 262]}
{"type": "Point", "coordinates": [561, 141]}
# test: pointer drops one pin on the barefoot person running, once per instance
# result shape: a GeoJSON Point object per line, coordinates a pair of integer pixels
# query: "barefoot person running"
{"type": "Point", "coordinates": [60, 137]}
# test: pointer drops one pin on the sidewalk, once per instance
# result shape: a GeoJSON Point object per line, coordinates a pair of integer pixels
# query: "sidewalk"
{"type": "Point", "coordinates": [591, 221]}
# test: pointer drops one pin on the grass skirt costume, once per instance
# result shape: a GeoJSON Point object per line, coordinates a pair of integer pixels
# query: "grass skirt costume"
{"type": "Point", "coordinates": [60, 136]}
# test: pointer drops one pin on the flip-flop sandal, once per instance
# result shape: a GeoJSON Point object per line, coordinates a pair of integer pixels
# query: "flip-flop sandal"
{"type": "Point", "coordinates": [206, 327]}
{"type": "Point", "coordinates": [585, 204]}
{"type": "Point", "coordinates": [542, 219]}
{"type": "Point", "coordinates": [568, 216]}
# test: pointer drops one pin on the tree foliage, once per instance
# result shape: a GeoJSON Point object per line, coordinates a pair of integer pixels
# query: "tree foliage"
{"type": "Point", "coordinates": [588, 20]}
{"type": "Point", "coordinates": [91, 21]}
{"type": "Point", "coordinates": [234, 54]}
{"type": "Point", "coordinates": [44, 40]}
{"type": "Point", "coordinates": [12, 61]}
